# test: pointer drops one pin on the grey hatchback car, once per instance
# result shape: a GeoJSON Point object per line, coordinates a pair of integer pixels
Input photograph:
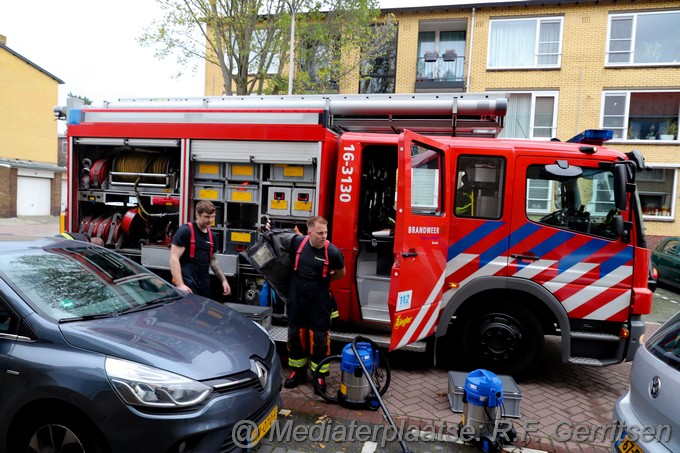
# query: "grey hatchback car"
{"type": "Point", "coordinates": [648, 416]}
{"type": "Point", "coordinates": [97, 354]}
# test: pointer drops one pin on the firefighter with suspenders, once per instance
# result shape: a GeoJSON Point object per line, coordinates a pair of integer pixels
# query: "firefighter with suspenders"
{"type": "Point", "coordinates": [192, 254]}
{"type": "Point", "coordinates": [310, 303]}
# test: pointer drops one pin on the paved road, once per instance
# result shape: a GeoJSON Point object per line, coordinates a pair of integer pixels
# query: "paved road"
{"type": "Point", "coordinates": [557, 400]}
{"type": "Point", "coordinates": [666, 304]}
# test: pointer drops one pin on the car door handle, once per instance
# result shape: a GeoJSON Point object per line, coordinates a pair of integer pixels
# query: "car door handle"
{"type": "Point", "coordinates": [410, 254]}
{"type": "Point", "coordinates": [524, 257]}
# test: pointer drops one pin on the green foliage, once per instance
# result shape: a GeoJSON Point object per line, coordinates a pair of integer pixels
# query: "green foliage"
{"type": "Point", "coordinates": [249, 40]}
{"type": "Point", "coordinates": [85, 99]}
{"type": "Point", "coordinates": [672, 127]}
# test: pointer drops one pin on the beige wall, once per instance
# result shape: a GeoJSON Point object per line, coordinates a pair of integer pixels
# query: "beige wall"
{"type": "Point", "coordinates": [29, 130]}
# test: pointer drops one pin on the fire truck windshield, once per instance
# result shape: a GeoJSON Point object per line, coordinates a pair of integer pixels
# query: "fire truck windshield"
{"type": "Point", "coordinates": [583, 202]}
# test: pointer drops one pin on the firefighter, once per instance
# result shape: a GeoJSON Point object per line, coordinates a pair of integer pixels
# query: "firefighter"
{"type": "Point", "coordinates": [464, 198]}
{"type": "Point", "coordinates": [310, 303]}
{"type": "Point", "coordinates": [192, 254]}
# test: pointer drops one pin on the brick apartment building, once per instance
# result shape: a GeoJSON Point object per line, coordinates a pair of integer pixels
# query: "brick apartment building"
{"type": "Point", "coordinates": [567, 66]}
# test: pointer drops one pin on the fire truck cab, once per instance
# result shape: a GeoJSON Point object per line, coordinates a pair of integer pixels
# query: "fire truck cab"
{"type": "Point", "coordinates": [447, 231]}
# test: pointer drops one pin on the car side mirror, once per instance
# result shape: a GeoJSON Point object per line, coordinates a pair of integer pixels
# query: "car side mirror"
{"type": "Point", "coordinates": [620, 187]}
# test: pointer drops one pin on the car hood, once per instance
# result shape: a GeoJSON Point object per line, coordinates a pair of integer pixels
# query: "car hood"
{"type": "Point", "coordinates": [193, 336]}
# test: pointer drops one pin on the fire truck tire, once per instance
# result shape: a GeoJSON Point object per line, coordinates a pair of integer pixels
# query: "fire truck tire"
{"type": "Point", "coordinates": [505, 338]}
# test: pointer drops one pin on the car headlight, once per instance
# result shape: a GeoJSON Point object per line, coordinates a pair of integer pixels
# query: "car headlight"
{"type": "Point", "coordinates": [141, 385]}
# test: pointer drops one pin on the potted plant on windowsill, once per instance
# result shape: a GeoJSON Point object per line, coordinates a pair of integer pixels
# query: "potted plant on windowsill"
{"type": "Point", "coordinates": [449, 55]}
{"type": "Point", "coordinates": [651, 134]}
{"type": "Point", "coordinates": [671, 130]}
{"type": "Point", "coordinates": [431, 56]}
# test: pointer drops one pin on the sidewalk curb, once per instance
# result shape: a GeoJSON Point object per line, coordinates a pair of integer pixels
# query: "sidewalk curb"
{"type": "Point", "coordinates": [318, 407]}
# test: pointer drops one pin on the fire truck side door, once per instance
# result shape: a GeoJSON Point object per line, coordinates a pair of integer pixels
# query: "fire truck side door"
{"type": "Point", "coordinates": [420, 242]}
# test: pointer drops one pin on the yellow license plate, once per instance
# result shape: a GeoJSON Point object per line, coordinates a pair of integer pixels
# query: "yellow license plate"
{"type": "Point", "coordinates": [264, 427]}
{"type": "Point", "coordinates": [628, 446]}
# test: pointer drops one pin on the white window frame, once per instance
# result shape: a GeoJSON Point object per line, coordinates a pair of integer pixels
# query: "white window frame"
{"type": "Point", "coordinates": [532, 118]}
{"type": "Point", "coordinates": [633, 38]}
{"type": "Point", "coordinates": [626, 116]}
{"type": "Point", "coordinates": [548, 200]}
{"type": "Point", "coordinates": [536, 55]}
{"type": "Point", "coordinates": [596, 198]}
{"type": "Point", "coordinates": [674, 194]}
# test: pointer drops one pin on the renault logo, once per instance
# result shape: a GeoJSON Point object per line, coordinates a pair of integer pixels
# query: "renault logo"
{"type": "Point", "coordinates": [260, 371]}
{"type": "Point", "coordinates": [655, 387]}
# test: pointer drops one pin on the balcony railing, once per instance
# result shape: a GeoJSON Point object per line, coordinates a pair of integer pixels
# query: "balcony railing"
{"type": "Point", "coordinates": [440, 71]}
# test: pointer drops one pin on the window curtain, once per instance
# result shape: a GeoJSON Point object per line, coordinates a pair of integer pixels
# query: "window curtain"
{"type": "Point", "coordinates": [512, 43]}
{"type": "Point", "coordinates": [518, 119]}
{"type": "Point", "coordinates": [425, 42]}
{"type": "Point", "coordinates": [549, 43]}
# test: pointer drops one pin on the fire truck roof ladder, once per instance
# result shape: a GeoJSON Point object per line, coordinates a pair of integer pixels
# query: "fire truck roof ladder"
{"type": "Point", "coordinates": [455, 114]}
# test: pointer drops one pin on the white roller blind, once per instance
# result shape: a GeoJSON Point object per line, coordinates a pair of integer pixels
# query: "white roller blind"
{"type": "Point", "coordinates": [255, 151]}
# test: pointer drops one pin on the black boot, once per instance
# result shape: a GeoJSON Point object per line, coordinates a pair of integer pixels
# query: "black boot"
{"type": "Point", "coordinates": [297, 377]}
{"type": "Point", "coordinates": [320, 385]}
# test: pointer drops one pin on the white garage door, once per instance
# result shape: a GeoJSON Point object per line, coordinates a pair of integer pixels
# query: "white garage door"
{"type": "Point", "coordinates": [33, 196]}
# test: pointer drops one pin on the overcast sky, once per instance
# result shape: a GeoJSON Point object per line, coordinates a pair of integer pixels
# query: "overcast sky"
{"type": "Point", "coordinates": [91, 45]}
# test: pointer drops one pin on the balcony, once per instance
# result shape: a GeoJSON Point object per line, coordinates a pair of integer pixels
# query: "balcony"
{"type": "Point", "coordinates": [440, 72]}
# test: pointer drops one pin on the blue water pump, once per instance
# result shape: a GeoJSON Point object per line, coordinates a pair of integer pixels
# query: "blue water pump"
{"type": "Point", "coordinates": [354, 387]}
{"type": "Point", "coordinates": [483, 401]}
{"type": "Point", "coordinates": [365, 377]}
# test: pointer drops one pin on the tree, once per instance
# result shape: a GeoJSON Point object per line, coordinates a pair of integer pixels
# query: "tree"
{"type": "Point", "coordinates": [249, 40]}
{"type": "Point", "coordinates": [85, 99]}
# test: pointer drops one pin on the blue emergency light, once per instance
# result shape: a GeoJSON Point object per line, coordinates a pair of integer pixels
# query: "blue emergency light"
{"type": "Point", "coordinates": [592, 136]}
{"type": "Point", "coordinates": [75, 116]}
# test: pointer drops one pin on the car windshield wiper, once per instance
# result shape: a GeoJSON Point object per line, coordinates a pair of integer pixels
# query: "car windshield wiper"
{"type": "Point", "coordinates": [152, 303]}
{"type": "Point", "coordinates": [88, 317]}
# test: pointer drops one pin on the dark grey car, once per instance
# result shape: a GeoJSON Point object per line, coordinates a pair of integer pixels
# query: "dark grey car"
{"type": "Point", "coordinates": [98, 354]}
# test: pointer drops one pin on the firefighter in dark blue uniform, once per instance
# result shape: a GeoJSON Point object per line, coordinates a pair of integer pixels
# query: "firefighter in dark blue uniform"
{"type": "Point", "coordinates": [310, 304]}
{"type": "Point", "coordinates": [192, 254]}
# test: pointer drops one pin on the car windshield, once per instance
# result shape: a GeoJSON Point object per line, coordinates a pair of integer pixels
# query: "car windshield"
{"type": "Point", "coordinates": [81, 281]}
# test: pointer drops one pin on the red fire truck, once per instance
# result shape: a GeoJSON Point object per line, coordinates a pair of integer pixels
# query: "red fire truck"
{"type": "Point", "coordinates": [448, 232]}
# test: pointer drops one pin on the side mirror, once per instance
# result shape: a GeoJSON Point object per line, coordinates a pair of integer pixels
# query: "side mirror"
{"type": "Point", "coordinates": [620, 186]}
{"type": "Point", "coordinates": [562, 169]}
{"type": "Point", "coordinates": [618, 225]}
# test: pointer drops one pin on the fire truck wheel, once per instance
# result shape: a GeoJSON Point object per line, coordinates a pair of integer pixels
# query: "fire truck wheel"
{"type": "Point", "coordinates": [505, 338]}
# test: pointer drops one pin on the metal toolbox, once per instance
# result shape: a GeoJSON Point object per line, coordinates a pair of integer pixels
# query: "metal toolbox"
{"type": "Point", "coordinates": [302, 200]}
{"type": "Point", "coordinates": [278, 200]}
{"type": "Point", "coordinates": [292, 173]}
{"type": "Point", "coordinates": [209, 170]}
{"type": "Point", "coordinates": [256, 313]}
{"type": "Point", "coordinates": [512, 395]}
{"type": "Point", "coordinates": [243, 172]}
{"type": "Point", "coordinates": [239, 240]}
{"type": "Point", "coordinates": [209, 191]}
{"type": "Point", "coordinates": [242, 193]}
